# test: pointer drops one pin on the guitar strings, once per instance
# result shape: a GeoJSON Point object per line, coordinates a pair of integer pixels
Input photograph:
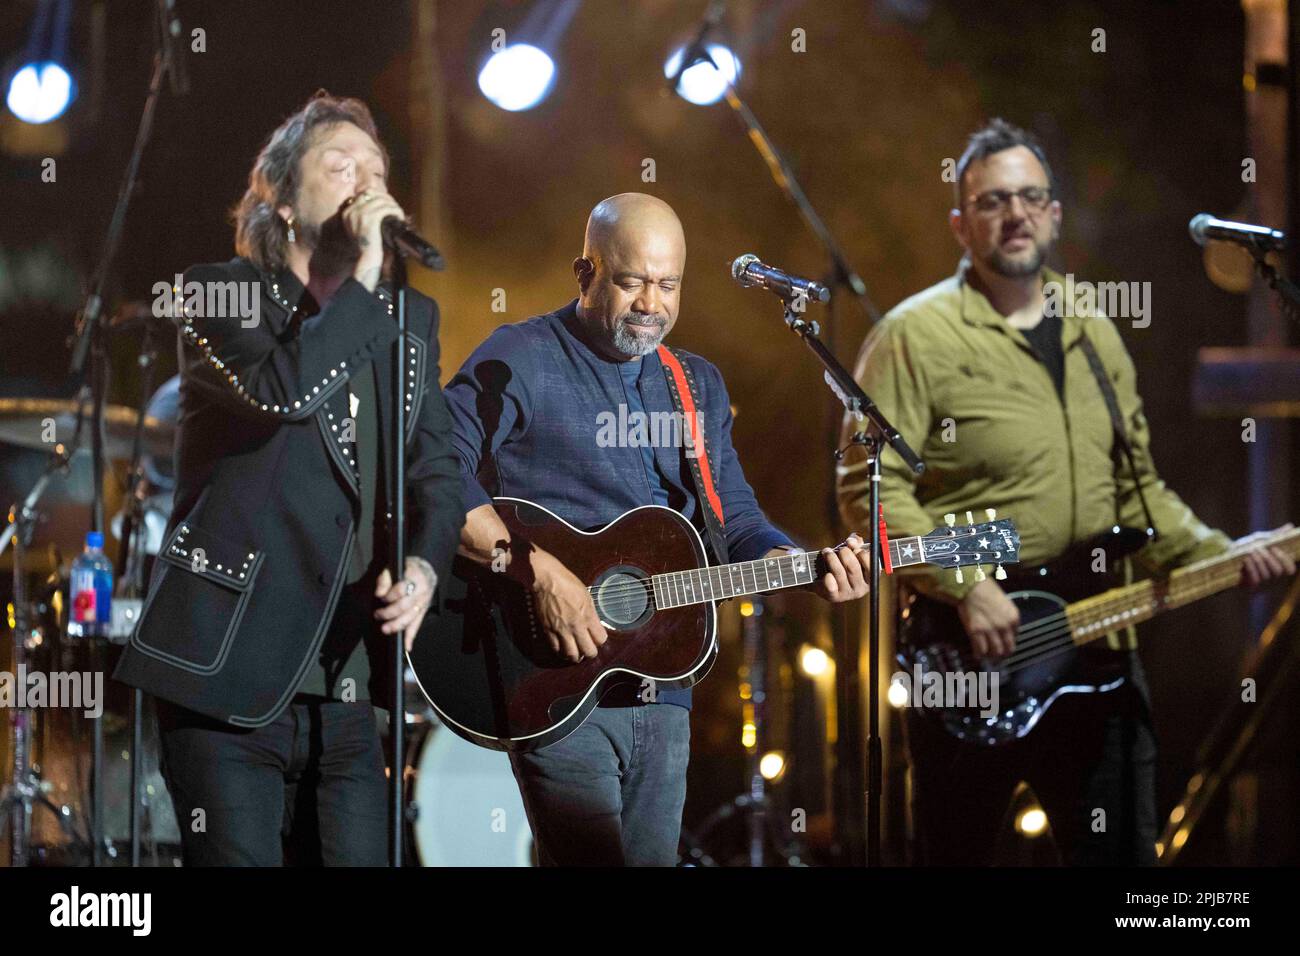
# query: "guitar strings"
{"type": "Point", "coordinates": [1042, 645]}
{"type": "Point", "coordinates": [647, 584]}
{"type": "Point", "coordinates": [1044, 629]}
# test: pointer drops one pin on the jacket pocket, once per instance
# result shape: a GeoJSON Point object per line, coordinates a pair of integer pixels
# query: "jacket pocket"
{"type": "Point", "coordinates": [197, 602]}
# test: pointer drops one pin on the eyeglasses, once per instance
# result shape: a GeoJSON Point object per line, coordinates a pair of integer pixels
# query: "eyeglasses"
{"type": "Point", "coordinates": [996, 201]}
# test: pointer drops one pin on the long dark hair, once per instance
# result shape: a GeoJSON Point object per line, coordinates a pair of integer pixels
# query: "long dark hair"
{"type": "Point", "coordinates": [261, 235]}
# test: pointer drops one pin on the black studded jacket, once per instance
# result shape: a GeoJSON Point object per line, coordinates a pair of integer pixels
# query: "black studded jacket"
{"type": "Point", "coordinates": [267, 496]}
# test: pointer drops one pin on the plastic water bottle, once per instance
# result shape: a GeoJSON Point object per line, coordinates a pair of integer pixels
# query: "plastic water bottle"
{"type": "Point", "coordinates": [90, 604]}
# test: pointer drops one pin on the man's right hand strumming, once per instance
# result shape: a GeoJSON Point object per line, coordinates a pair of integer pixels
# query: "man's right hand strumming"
{"type": "Point", "coordinates": [563, 603]}
{"type": "Point", "coordinates": [567, 612]}
{"type": "Point", "coordinates": [990, 618]}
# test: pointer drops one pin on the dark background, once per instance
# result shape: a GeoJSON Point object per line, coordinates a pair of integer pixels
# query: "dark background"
{"type": "Point", "coordinates": [1141, 137]}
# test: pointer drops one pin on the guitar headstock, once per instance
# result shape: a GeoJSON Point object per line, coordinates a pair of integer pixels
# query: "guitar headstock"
{"type": "Point", "coordinates": [955, 546]}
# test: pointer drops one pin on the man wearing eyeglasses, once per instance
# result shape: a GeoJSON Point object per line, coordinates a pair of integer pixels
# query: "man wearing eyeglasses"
{"type": "Point", "coordinates": [995, 389]}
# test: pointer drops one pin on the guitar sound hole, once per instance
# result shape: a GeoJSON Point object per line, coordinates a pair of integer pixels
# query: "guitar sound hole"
{"type": "Point", "coordinates": [623, 597]}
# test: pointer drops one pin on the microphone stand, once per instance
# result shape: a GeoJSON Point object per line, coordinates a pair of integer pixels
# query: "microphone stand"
{"type": "Point", "coordinates": [840, 276]}
{"type": "Point", "coordinates": [130, 570]}
{"type": "Point", "coordinates": [90, 334]}
{"type": "Point", "coordinates": [429, 257]}
{"type": "Point", "coordinates": [1288, 293]}
{"type": "Point", "coordinates": [848, 690]}
{"type": "Point", "coordinates": [397, 715]}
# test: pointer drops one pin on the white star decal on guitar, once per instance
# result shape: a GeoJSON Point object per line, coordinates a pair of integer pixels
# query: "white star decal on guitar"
{"type": "Point", "coordinates": [907, 550]}
{"type": "Point", "coordinates": [984, 543]}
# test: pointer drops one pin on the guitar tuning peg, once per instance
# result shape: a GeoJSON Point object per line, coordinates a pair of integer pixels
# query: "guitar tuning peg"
{"type": "Point", "coordinates": [979, 573]}
{"type": "Point", "coordinates": [957, 573]}
{"type": "Point", "coordinates": [1000, 573]}
{"type": "Point", "coordinates": [991, 512]}
{"type": "Point", "coordinates": [970, 518]}
{"type": "Point", "coordinates": [950, 519]}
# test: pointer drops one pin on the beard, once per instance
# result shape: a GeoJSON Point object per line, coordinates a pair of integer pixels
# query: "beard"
{"type": "Point", "coordinates": [1019, 268]}
{"type": "Point", "coordinates": [636, 341]}
{"type": "Point", "coordinates": [333, 250]}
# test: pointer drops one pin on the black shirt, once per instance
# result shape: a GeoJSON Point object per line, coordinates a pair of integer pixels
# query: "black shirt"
{"type": "Point", "coordinates": [1045, 337]}
{"type": "Point", "coordinates": [351, 649]}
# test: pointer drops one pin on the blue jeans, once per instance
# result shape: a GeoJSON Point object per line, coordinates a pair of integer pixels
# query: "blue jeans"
{"type": "Point", "coordinates": [611, 793]}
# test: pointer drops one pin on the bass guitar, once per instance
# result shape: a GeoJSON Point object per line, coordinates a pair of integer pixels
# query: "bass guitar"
{"type": "Point", "coordinates": [1058, 646]}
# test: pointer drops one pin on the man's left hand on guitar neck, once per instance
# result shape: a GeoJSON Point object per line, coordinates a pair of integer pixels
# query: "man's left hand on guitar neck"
{"type": "Point", "coordinates": [848, 570]}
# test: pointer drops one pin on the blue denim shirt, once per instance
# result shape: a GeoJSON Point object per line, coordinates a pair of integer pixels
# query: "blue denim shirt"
{"type": "Point", "coordinates": [526, 412]}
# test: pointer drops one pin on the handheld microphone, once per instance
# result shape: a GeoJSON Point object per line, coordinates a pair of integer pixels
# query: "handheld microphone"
{"type": "Point", "coordinates": [1204, 226]}
{"type": "Point", "coordinates": [404, 240]}
{"type": "Point", "coordinates": [749, 271]}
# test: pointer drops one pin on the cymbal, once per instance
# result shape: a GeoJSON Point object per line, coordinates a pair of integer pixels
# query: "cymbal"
{"type": "Point", "coordinates": [41, 423]}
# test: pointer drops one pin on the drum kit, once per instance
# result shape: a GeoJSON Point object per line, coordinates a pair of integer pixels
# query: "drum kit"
{"type": "Point", "coordinates": [66, 796]}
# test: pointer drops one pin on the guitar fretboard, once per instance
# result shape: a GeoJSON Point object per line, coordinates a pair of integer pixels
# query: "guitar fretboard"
{"type": "Point", "coordinates": [679, 588]}
{"type": "Point", "coordinates": [1095, 617]}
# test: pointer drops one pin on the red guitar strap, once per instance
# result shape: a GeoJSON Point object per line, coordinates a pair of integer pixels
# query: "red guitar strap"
{"type": "Point", "coordinates": [681, 386]}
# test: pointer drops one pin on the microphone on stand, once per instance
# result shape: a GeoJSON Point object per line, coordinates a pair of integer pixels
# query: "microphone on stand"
{"type": "Point", "coordinates": [696, 51]}
{"type": "Point", "coordinates": [174, 43]}
{"type": "Point", "coordinates": [748, 270]}
{"type": "Point", "coordinates": [1204, 227]}
{"type": "Point", "coordinates": [402, 239]}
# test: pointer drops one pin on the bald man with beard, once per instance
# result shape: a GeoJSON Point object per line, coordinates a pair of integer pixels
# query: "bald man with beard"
{"type": "Point", "coordinates": [527, 408]}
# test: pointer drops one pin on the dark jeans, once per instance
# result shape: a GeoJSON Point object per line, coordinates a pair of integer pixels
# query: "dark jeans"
{"type": "Point", "coordinates": [1089, 753]}
{"type": "Point", "coordinates": [611, 793]}
{"type": "Point", "coordinates": [308, 787]}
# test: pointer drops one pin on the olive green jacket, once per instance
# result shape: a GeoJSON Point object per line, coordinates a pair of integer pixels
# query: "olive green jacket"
{"type": "Point", "coordinates": [969, 394]}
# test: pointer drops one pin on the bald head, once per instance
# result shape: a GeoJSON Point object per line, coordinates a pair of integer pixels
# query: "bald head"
{"type": "Point", "coordinates": [630, 273]}
{"type": "Point", "coordinates": [628, 221]}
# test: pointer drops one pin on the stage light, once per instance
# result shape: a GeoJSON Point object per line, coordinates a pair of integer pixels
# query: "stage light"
{"type": "Point", "coordinates": [517, 77]}
{"type": "Point", "coordinates": [703, 83]}
{"type": "Point", "coordinates": [40, 92]}
{"type": "Point", "coordinates": [1031, 822]}
{"type": "Point", "coordinates": [772, 764]}
{"type": "Point", "coordinates": [897, 695]}
{"type": "Point", "coordinates": [814, 661]}
{"type": "Point", "coordinates": [748, 734]}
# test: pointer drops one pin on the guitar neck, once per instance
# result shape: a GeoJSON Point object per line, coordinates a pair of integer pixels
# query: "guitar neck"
{"type": "Point", "coordinates": [1095, 617]}
{"type": "Point", "coordinates": [795, 569]}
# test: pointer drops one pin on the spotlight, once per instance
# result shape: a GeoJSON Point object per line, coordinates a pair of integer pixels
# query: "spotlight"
{"type": "Point", "coordinates": [897, 695]}
{"type": "Point", "coordinates": [704, 83]}
{"type": "Point", "coordinates": [517, 77]}
{"type": "Point", "coordinates": [1031, 822]}
{"type": "Point", "coordinates": [814, 661]}
{"type": "Point", "coordinates": [771, 765]}
{"type": "Point", "coordinates": [42, 89]}
{"type": "Point", "coordinates": [40, 92]}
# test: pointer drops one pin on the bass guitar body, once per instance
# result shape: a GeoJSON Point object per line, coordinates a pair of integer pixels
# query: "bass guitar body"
{"type": "Point", "coordinates": [1046, 663]}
